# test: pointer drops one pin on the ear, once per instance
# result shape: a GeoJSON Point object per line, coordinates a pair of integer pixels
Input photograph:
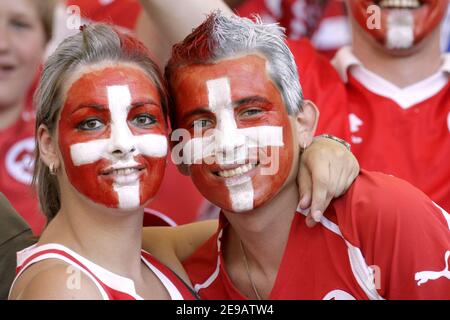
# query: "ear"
{"type": "Point", "coordinates": [48, 150]}
{"type": "Point", "coordinates": [182, 168]}
{"type": "Point", "coordinates": [306, 123]}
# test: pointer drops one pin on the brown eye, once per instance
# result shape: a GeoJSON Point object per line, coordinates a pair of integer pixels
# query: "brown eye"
{"type": "Point", "coordinates": [91, 124]}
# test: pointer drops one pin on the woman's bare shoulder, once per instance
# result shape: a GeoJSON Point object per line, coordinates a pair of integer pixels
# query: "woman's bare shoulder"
{"type": "Point", "coordinates": [54, 280]}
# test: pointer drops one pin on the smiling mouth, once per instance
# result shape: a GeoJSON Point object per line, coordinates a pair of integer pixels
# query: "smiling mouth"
{"type": "Point", "coordinates": [123, 177]}
{"type": "Point", "coordinates": [122, 171]}
{"type": "Point", "coordinates": [238, 171]}
{"type": "Point", "coordinates": [399, 4]}
{"type": "Point", "coordinates": [6, 69]}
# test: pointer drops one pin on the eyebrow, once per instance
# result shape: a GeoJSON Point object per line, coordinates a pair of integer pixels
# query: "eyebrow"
{"type": "Point", "coordinates": [102, 107]}
{"type": "Point", "coordinates": [99, 107]}
{"type": "Point", "coordinates": [238, 103]}
{"type": "Point", "coordinates": [143, 102]}
{"type": "Point", "coordinates": [249, 100]}
{"type": "Point", "coordinates": [195, 112]}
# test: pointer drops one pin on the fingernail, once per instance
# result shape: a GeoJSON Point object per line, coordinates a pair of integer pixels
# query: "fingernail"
{"type": "Point", "coordinates": [309, 222]}
{"type": "Point", "coordinates": [302, 201]}
{"type": "Point", "coordinates": [317, 215]}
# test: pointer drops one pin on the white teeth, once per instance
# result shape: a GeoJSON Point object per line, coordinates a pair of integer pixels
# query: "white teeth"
{"type": "Point", "coordinates": [237, 171]}
{"type": "Point", "coordinates": [126, 171]}
{"type": "Point", "coordinates": [400, 4]}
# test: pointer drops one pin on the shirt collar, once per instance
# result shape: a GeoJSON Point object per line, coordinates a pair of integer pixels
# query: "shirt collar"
{"type": "Point", "coordinates": [345, 58]}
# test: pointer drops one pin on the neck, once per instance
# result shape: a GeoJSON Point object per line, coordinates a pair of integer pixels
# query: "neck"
{"type": "Point", "coordinates": [9, 115]}
{"type": "Point", "coordinates": [112, 240]}
{"type": "Point", "coordinates": [402, 69]}
{"type": "Point", "coordinates": [264, 232]}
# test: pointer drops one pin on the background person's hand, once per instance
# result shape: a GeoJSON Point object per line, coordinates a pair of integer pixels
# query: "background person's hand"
{"type": "Point", "coordinates": [327, 169]}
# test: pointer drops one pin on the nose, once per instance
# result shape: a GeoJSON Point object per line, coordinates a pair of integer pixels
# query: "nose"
{"type": "Point", "coordinates": [229, 142]}
{"type": "Point", "coordinates": [5, 38]}
{"type": "Point", "coordinates": [122, 142]}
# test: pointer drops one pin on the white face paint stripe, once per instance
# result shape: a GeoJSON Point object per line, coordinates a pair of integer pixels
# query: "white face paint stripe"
{"type": "Point", "coordinates": [219, 94]}
{"type": "Point", "coordinates": [119, 99]}
{"type": "Point", "coordinates": [151, 145]}
{"type": "Point", "coordinates": [241, 195]}
{"type": "Point", "coordinates": [128, 196]}
{"type": "Point", "coordinates": [400, 29]}
{"type": "Point", "coordinates": [121, 138]}
{"type": "Point", "coordinates": [197, 149]}
{"type": "Point", "coordinates": [88, 152]}
{"type": "Point", "coordinates": [226, 137]}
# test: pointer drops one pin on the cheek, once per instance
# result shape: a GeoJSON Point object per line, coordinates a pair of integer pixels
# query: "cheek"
{"type": "Point", "coordinates": [30, 50]}
{"type": "Point", "coordinates": [278, 168]}
{"type": "Point", "coordinates": [151, 182]}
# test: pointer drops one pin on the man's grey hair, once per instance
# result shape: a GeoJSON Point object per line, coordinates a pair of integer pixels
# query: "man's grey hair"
{"type": "Point", "coordinates": [220, 37]}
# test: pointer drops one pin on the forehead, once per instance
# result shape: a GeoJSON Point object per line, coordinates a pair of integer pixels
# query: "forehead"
{"type": "Point", "coordinates": [19, 7]}
{"type": "Point", "coordinates": [90, 84]}
{"type": "Point", "coordinates": [247, 75]}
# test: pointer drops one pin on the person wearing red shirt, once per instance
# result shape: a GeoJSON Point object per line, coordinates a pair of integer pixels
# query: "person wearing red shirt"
{"type": "Point", "coordinates": [25, 28]}
{"type": "Point", "coordinates": [384, 239]}
{"type": "Point", "coordinates": [379, 92]}
{"type": "Point", "coordinates": [373, 97]}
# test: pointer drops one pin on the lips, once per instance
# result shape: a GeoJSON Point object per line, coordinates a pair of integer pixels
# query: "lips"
{"type": "Point", "coordinates": [121, 171]}
{"type": "Point", "coordinates": [240, 170]}
{"type": "Point", "coordinates": [399, 4]}
{"type": "Point", "coordinates": [6, 70]}
{"type": "Point", "coordinates": [123, 176]}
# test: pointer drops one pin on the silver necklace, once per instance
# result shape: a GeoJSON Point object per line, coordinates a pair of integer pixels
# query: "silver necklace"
{"type": "Point", "coordinates": [248, 272]}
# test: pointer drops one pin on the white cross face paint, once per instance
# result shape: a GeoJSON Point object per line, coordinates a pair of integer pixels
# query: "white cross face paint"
{"type": "Point", "coordinates": [114, 149]}
{"type": "Point", "coordinates": [247, 130]}
{"type": "Point", "coordinates": [400, 29]}
{"type": "Point", "coordinates": [228, 145]}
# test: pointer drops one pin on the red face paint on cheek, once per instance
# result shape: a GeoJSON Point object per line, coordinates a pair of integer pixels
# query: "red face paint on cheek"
{"type": "Point", "coordinates": [426, 18]}
{"type": "Point", "coordinates": [248, 80]}
{"type": "Point", "coordinates": [109, 124]}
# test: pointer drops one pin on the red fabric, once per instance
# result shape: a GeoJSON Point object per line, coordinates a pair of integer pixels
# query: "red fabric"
{"type": "Point", "coordinates": [412, 144]}
{"type": "Point", "coordinates": [398, 230]}
{"type": "Point", "coordinates": [321, 84]}
{"type": "Point", "coordinates": [16, 169]}
{"type": "Point", "coordinates": [177, 197]}
{"type": "Point", "coordinates": [113, 294]}
{"type": "Point", "coordinates": [300, 18]}
{"type": "Point", "coordinates": [409, 144]}
{"type": "Point", "coordinates": [123, 13]}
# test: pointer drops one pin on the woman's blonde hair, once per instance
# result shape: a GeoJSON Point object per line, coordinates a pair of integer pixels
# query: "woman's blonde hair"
{"type": "Point", "coordinates": [95, 44]}
{"type": "Point", "coordinates": [46, 10]}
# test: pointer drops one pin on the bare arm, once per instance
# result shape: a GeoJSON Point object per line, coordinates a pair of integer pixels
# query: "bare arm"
{"type": "Point", "coordinates": [179, 241]}
{"type": "Point", "coordinates": [54, 280]}
{"type": "Point", "coordinates": [327, 169]}
{"type": "Point", "coordinates": [173, 20]}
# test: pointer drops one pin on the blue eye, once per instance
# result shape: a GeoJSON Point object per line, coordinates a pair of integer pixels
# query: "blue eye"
{"type": "Point", "coordinates": [251, 112]}
{"type": "Point", "coordinates": [91, 124]}
{"type": "Point", "coordinates": [143, 120]}
{"type": "Point", "coordinates": [20, 24]}
{"type": "Point", "coordinates": [202, 123]}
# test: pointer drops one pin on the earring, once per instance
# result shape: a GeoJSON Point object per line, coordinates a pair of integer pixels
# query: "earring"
{"type": "Point", "coordinates": [303, 147]}
{"type": "Point", "coordinates": [52, 169]}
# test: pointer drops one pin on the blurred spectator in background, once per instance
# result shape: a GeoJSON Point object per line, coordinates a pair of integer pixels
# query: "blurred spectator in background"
{"type": "Point", "coordinates": [323, 21]}
{"type": "Point", "coordinates": [387, 93]}
{"type": "Point", "coordinates": [15, 235]}
{"type": "Point", "coordinates": [25, 29]}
